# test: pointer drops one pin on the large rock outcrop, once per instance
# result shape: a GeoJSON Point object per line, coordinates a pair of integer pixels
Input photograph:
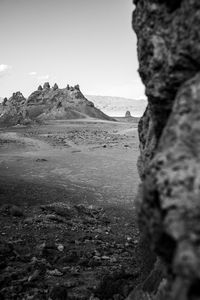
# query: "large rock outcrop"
{"type": "Point", "coordinates": [169, 131]}
{"type": "Point", "coordinates": [49, 103]}
{"type": "Point", "coordinates": [55, 103]}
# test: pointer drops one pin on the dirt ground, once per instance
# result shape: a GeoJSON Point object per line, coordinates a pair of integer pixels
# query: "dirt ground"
{"type": "Point", "coordinates": [68, 228]}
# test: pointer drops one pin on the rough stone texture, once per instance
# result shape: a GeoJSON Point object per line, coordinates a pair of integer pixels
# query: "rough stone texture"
{"type": "Point", "coordinates": [169, 165]}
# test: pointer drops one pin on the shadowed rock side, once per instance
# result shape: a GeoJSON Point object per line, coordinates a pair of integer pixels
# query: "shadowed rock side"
{"type": "Point", "coordinates": [168, 201]}
{"type": "Point", "coordinates": [49, 103]}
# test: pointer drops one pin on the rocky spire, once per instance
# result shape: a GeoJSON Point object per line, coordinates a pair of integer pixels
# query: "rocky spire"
{"type": "Point", "coordinates": [55, 87]}
{"type": "Point", "coordinates": [4, 101]}
{"type": "Point", "coordinates": [46, 86]}
{"type": "Point", "coordinates": [128, 114]}
{"type": "Point", "coordinates": [77, 87]}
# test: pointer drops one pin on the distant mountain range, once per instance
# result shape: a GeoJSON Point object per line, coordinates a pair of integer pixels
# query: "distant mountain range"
{"type": "Point", "coordinates": [117, 106]}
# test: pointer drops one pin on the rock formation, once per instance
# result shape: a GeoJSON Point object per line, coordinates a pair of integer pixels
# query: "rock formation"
{"type": "Point", "coordinates": [169, 131]}
{"type": "Point", "coordinates": [127, 114]}
{"type": "Point", "coordinates": [4, 101]}
{"type": "Point", "coordinates": [13, 111]}
{"type": "Point", "coordinates": [49, 103]}
{"type": "Point", "coordinates": [46, 86]}
{"type": "Point", "coordinates": [55, 87]}
{"type": "Point", "coordinates": [55, 103]}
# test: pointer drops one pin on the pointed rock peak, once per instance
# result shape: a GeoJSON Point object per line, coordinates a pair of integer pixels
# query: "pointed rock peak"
{"type": "Point", "coordinates": [39, 88]}
{"type": "Point", "coordinates": [4, 101]}
{"type": "Point", "coordinates": [77, 87]}
{"type": "Point", "coordinates": [46, 86]}
{"type": "Point", "coordinates": [55, 87]}
{"type": "Point", "coordinates": [68, 87]}
{"type": "Point", "coordinates": [128, 114]}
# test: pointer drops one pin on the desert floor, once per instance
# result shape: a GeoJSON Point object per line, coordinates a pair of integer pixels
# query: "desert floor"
{"type": "Point", "coordinates": [68, 227]}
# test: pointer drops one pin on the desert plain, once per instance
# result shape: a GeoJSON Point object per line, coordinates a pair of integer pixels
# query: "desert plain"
{"type": "Point", "coordinates": [68, 226]}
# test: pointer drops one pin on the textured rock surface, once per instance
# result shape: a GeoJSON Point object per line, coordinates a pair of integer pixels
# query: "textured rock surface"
{"type": "Point", "coordinates": [168, 204]}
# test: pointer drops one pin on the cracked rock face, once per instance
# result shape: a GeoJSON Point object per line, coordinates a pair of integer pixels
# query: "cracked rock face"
{"type": "Point", "coordinates": [169, 164]}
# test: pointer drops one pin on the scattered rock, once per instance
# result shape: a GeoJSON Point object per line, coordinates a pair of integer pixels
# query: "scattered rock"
{"type": "Point", "coordinates": [67, 258]}
{"type": "Point", "coordinates": [41, 160]}
{"type": "Point", "coordinates": [54, 272]}
{"type": "Point", "coordinates": [12, 210]}
{"type": "Point", "coordinates": [34, 276]}
{"type": "Point", "coordinates": [60, 209]}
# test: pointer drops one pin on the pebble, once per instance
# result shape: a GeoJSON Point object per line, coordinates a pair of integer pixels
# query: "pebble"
{"type": "Point", "coordinates": [55, 272]}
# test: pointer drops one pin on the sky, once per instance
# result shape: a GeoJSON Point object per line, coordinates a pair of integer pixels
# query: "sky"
{"type": "Point", "coordinates": [85, 42]}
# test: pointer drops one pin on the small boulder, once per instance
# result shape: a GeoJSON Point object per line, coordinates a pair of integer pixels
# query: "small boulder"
{"type": "Point", "coordinates": [39, 88]}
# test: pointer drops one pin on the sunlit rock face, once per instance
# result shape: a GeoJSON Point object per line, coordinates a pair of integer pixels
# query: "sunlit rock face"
{"type": "Point", "coordinates": [169, 131]}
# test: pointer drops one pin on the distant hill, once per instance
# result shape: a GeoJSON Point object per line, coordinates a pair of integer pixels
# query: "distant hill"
{"type": "Point", "coordinates": [49, 103]}
{"type": "Point", "coordinates": [117, 106]}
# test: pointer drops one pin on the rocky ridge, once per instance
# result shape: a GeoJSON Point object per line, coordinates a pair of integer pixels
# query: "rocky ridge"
{"type": "Point", "coordinates": [168, 201]}
{"type": "Point", "coordinates": [48, 103]}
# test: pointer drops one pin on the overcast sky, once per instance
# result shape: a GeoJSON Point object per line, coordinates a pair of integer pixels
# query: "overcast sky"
{"type": "Point", "coordinates": [85, 42]}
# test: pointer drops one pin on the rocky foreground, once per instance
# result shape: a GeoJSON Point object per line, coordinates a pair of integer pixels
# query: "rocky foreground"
{"type": "Point", "coordinates": [58, 251]}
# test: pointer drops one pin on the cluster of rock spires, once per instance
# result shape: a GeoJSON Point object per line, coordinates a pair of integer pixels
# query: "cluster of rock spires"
{"type": "Point", "coordinates": [169, 131]}
{"type": "Point", "coordinates": [48, 103]}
